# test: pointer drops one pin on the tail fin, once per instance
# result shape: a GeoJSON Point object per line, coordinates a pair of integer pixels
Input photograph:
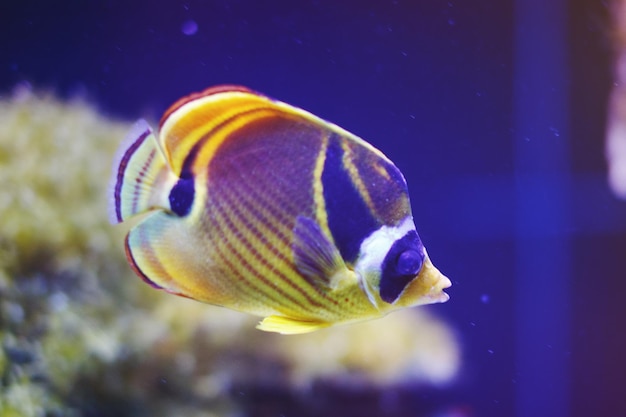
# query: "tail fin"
{"type": "Point", "coordinates": [139, 173]}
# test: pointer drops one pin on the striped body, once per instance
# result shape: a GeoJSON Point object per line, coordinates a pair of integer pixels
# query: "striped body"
{"type": "Point", "coordinates": [264, 208]}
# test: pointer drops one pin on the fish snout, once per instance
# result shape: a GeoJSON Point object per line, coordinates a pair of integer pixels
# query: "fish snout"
{"type": "Point", "coordinates": [438, 282]}
{"type": "Point", "coordinates": [427, 287]}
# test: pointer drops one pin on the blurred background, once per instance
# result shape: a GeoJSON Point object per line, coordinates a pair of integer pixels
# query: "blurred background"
{"type": "Point", "coordinates": [495, 111]}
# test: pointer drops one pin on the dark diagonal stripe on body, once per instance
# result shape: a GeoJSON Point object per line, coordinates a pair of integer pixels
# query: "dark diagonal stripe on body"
{"type": "Point", "coordinates": [285, 261]}
{"type": "Point", "coordinates": [259, 237]}
{"type": "Point", "coordinates": [238, 236]}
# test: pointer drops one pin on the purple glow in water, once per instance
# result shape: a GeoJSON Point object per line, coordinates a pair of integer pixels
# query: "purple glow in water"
{"type": "Point", "coordinates": [189, 27]}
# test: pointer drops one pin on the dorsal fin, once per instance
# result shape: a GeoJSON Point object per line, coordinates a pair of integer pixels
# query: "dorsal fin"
{"type": "Point", "coordinates": [226, 88]}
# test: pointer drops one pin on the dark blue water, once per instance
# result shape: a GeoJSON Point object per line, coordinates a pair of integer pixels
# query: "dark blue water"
{"type": "Point", "coordinates": [494, 111]}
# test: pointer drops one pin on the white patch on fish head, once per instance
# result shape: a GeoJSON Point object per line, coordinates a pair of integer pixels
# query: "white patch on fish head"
{"type": "Point", "coordinates": [372, 253]}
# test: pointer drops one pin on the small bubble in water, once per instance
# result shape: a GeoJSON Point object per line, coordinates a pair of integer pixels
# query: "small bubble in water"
{"type": "Point", "coordinates": [190, 27]}
{"type": "Point", "coordinates": [484, 298]}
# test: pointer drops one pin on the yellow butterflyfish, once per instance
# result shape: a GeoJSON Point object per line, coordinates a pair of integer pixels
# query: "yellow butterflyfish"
{"type": "Point", "coordinates": [261, 207]}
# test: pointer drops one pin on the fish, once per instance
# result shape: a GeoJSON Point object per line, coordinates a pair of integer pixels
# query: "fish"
{"type": "Point", "coordinates": [246, 202]}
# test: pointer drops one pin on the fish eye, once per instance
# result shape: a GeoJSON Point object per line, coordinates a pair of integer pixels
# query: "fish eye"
{"type": "Point", "coordinates": [402, 263]}
{"type": "Point", "coordinates": [409, 262]}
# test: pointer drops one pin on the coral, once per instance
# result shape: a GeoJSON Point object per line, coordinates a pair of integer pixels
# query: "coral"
{"type": "Point", "coordinates": [80, 335]}
{"type": "Point", "coordinates": [61, 272]}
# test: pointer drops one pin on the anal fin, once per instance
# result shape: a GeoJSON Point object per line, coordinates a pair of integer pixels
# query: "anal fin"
{"type": "Point", "coordinates": [287, 325]}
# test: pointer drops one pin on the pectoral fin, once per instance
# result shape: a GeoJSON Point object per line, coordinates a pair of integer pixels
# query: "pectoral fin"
{"type": "Point", "coordinates": [286, 325]}
{"type": "Point", "coordinates": [316, 257]}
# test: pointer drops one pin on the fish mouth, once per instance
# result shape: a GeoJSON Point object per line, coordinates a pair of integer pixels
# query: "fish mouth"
{"type": "Point", "coordinates": [439, 283]}
{"type": "Point", "coordinates": [437, 292]}
{"type": "Point", "coordinates": [441, 297]}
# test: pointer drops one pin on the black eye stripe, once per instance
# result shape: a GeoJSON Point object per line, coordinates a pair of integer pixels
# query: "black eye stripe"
{"type": "Point", "coordinates": [392, 281]}
{"type": "Point", "coordinates": [349, 218]}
